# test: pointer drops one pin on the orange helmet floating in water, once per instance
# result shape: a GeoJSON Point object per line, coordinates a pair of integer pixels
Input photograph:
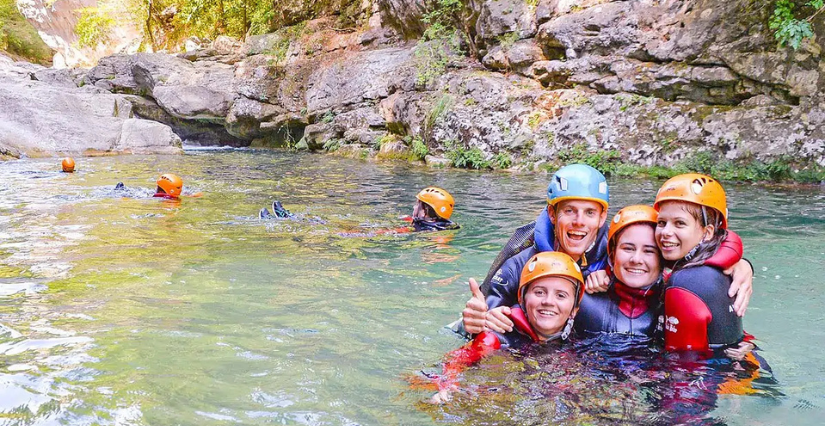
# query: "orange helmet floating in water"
{"type": "Point", "coordinates": [629, 216]}
{"type": "Point", "coordinates": [440, 200]}
{"type": "Point", "coordinates": [695, 188]}
{"type": "Point", "coordinates": [170, 184]}
{"type": "Point", "coordinates": [551, 264]}
{"type": "Point", "coordinates": [68, 165]}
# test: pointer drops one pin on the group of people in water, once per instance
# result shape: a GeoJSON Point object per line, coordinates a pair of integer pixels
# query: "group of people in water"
{"type": "Point", "coordinates": [671, 273]}
{"type": "Point", "coordinates": [657, 272]}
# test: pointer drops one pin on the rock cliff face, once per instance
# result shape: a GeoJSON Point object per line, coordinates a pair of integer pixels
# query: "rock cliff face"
{"type": "Point", "coordinates": [647, 82]}
{"type": "Point", "coordinates": [44, 112]}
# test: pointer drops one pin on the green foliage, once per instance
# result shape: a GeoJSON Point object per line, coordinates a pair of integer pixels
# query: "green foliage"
{"type": "Point", "coordinates": [778, 170]}
{"type": "Point", "coordinates": [441, 39]}
{"type": "Point", "coordinates": [208, 19]}
{"type": "Point", "coordinates": [419, 148]}
{"type": "Point", "coordinates": [788, 30]}
{"type": "Point", "coordinates": [462, 157]}
{"type": "Point", "coordinates": [534, 120]}
{"type": "Point", "coordinates": [328, 117]}
{"type": "Point", "coordinates": [93, 27]}
{"type": "Point", "coordinates": [628, 101]}
{"type": "Point", "coordinates": [18, 37]}
{"type": "Point", "coordinates": [332, 145]}
{"type": "Point", "coordinates": [605, 161]}
{"type": "Point", "coordinates": [284, 38]}
{"type": "Point", "coordinates": [503, 160]}
{"type": "Point", "coordinates": [506, 41]}
{"type": "Point", "coordinates": [385, 138]}
{"type": "Point", "coordinates": [441, 107]}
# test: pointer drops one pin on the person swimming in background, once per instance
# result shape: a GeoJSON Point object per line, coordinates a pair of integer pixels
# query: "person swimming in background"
{"type": "Point", "coordinates": [432, 210]}
{"type": "Point", "coordinates": [68, 165]}
{"type": "Point", "coordinates": [169, 186]}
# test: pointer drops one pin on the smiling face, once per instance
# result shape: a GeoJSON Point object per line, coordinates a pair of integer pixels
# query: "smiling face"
{"type": "Point", "coordinates": [678, 231]}
{"type": "Point", "coordinates": [577, 224]}
{"type": "Point", "coordinates": [636, 259]}
{"type": "Point", "coordinates": [548, 303]}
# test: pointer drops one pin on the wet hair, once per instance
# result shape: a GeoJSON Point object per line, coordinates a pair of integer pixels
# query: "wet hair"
{"type": "Point", "coordinates": [705, 249]}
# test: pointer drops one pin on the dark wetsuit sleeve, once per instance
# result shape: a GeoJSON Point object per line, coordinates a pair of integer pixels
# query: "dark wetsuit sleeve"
{"type": "Point", "coordinates": [504, 284]}
{"type": "Point", "coordinates": [698, 311]}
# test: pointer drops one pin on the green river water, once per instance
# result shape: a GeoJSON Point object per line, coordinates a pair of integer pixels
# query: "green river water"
{"type": "Point", "coordinates": [139, 311]}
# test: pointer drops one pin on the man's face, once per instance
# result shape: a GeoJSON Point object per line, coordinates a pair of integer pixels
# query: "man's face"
{"type": "Point", "coordinates": [577, 224]}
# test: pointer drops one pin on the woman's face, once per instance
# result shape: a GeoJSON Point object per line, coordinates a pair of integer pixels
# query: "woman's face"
{"type": "Point", "coordinates": [677, 231]}
{"type": "Point", "coordinates": [548, 303]}
{"type": "Point", "coordinates": [636, 259]}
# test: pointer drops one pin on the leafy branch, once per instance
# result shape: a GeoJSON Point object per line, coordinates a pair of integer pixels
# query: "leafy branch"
{"type": "Point", "coordinates": [788, 29]}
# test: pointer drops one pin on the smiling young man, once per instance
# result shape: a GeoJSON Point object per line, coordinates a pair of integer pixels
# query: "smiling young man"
{"type": "Point", "coordinates": [574, 224]}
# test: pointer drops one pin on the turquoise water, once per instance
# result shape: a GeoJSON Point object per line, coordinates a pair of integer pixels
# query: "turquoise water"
{"type": "Point", "coordinates": [138, 311]}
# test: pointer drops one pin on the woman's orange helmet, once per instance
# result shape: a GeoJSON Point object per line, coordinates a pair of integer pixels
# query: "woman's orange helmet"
{"type": "Point", "coordinates": [170, 184]}
{"type": "Point", "coordinates": [68, 165]}
{"type": "Point", "coordinates": [695, 188]}
{"type": "Point", "coordinates": [628, 216]}
{"type": "Point", "coordinates": [440, 200]}
{"type": "Point", "coordinates": [551, 264]}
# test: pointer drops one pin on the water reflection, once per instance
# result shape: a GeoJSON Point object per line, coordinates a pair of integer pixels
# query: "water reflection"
{"type": "Point", "coordinates": [127, 310]}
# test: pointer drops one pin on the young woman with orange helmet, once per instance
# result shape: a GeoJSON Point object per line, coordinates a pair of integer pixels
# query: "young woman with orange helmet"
{"type": "Point", "coordinates": [692, 223]}
{"type": "Point", "coordinates": [549, 293]}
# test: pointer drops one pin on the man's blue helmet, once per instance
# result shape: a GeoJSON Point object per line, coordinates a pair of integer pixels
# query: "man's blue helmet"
{"type": "Point", "coordinates": [578, 182]}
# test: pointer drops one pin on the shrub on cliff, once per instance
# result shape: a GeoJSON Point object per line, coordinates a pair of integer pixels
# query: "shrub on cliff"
{"type": "Point", "coordinates": [788, 29]}
{"type": "Point", "coordinates": [19, 38]}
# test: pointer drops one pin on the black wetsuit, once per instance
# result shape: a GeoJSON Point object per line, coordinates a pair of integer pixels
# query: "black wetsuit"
{"type": "Point", "coordinates": [621, 309]}
{"type": "Point", "coordinates": [699, 314]}
{"type": "Point", "coordinates": [420, 225]}
{"type": "Point", "coordinates": [504, 284]}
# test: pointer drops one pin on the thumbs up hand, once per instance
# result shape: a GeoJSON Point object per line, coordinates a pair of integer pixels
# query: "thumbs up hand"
{"type": "Point", "coordinates": [475, 312]}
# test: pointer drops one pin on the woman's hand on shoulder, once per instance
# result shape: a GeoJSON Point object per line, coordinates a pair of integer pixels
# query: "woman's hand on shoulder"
{"type": "Point", "coordinates": [741, 285]}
